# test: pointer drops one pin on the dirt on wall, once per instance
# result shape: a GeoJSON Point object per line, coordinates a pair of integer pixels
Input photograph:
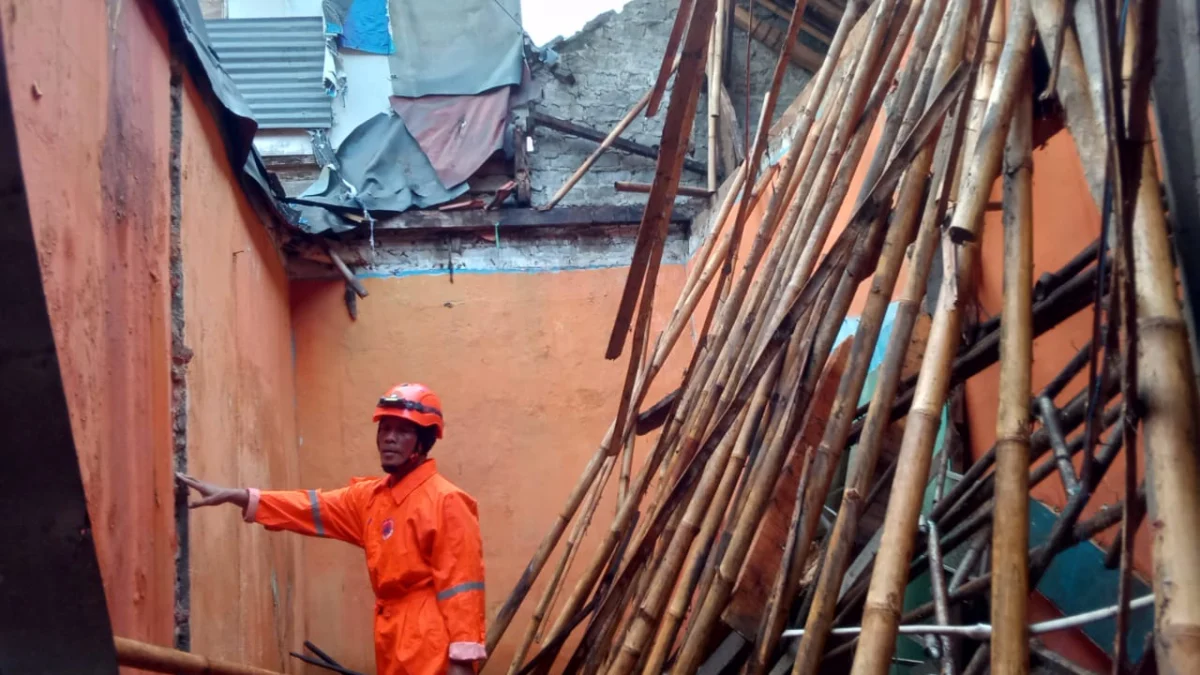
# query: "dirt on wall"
{"type": "Point", "coordinates": [92, 112]}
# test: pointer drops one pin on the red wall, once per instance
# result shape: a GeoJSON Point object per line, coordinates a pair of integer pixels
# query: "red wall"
{"type": "Point", "coordinates": [93, 120]}
{"type": "Point", "coordinates": [246, 590]}
{"type": "Point", "coordinates": [92, 101]}
{"type": "Point", "coordinates": [518, 362]}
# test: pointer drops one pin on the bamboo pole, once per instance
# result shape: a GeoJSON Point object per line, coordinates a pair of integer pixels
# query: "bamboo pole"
{"type": "Point", "coordinates": [1010, 532]}
{"type": "Point", "coordinates": [890, 575]}
{"type": "Point", "coordinates": [1106, 517]}
{"type": "Point", "coordinates": [1168, 397]}
{"type": "Point", "coordinates": [650, 610]}
{"type": "Point", "coordinates": [134, 654]}
{"type": "Point", "coordinates": [1062, 530]}
{"type": "Point", "coordinates": [849, 388]}
{"type": "Point", "coordinates": [843, 154]}
{"type": "Point", "coordinates": [770, 220]}
{"type": "Point", "coordinates": [714, 603]}
{"type": "Point", "coordinates": [607, 143]}
{"type": "Point", "coordinates": [1072, 89]}
{"type": "Point", "coordinates": [722, 348]}
{"type": "Point", "coordinates": [560, 571]}
{"type": "Point", "coordinates": [818, 190]}
{"type": "Point", "coordinates": [937, 578]}
{"type": "Point", "coordinates": [698, 279]}
{"type": "Point", "coordinates": [681, 597]}
{"type": "Point", "coordinates": [971, 478]}
{"type": "Point", "coordinates": [719, 345]}
{"type": "Point", "coordinates": [716, 60]}
{"type": "Point", "coordinates": [908, 305]}
{"type": "Point", "coordinates": [797, 172]}
{"type": "Point", "coordinates": [810, 304]}
{"type": "Point", "coordinates": [583, 586]}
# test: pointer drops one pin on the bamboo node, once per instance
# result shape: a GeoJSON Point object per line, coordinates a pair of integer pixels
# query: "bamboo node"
{"type": "Point", "coordinates": [888, 609]}
{"type": "Point", "coordinates": [1016, 438]}
{"type": "Point", "coordinates": [1162, 323]}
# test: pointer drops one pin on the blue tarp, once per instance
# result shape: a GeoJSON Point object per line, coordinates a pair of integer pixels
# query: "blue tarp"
{"type": "Point", "coordinates": [366, 28]}
{"type": "Point", "coordinates": [463, 47]}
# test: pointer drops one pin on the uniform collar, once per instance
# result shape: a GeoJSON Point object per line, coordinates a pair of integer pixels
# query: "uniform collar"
{"type": "Point", "coordinates": [402, 488]}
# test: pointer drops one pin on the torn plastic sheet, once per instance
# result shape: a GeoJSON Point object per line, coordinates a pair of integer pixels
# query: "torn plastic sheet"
{"type": "Point", "coordinates": [456, 133]}
{"type": "Point", "coordinates": [462, 47]}
{"type": "Point", "coordinates": [379, 168]}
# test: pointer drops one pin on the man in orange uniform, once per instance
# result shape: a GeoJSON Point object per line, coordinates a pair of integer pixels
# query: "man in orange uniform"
{"type": "Point", "coordinates": [419, 531]}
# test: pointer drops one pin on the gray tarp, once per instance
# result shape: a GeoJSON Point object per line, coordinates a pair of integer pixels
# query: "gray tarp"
{"type": "Point", "coordinates": [379, 167]}
{"type": "Point", "coordinates": [455, 46]}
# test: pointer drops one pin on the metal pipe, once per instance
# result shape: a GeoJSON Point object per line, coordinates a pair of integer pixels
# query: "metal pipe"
{"type": "Point", "coordinates": [983, 631]}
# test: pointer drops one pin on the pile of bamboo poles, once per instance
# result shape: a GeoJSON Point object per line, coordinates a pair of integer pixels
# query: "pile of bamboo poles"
{"type": "Point", "coordinates": [760, 425]}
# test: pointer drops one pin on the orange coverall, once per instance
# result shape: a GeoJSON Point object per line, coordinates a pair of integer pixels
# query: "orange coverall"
{"type": "Point", "coordinates": [424, 556]}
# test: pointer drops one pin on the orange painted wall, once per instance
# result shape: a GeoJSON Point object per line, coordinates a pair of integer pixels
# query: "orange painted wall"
{"type": "Point", "coordinates": [518, 361]}
{"type": "Point", "coordinates": [93, 120]}
{"type": "Point", "coordinates": [246, 586]}
{"type": "Point", "coordinates": [91, 94]}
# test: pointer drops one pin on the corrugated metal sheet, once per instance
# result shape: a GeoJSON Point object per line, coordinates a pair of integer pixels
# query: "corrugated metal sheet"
{"type": "Point", "coordinates": [277, 65]}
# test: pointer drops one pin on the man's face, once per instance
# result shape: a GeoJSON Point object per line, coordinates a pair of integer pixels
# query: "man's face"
{"type": "Point", "coordinates": [396, 439]}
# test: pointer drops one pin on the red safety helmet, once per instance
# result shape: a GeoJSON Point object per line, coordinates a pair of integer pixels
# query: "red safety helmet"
{"type": "Point", "coordinates": [413, 402]}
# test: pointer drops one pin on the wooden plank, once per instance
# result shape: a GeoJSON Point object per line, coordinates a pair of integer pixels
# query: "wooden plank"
{"type": "Point", "coordinates": [762, 564]}
{"type": "Point", "coordinates": [677, 129]}
{"type": "Point", "coordinates": [567, 216]}
{"type": "Point", "coordinates": [683, 18]}
{"type": "Point", "coordinates": [539, 118]}
{"type": "Point", "coordinates": [774, 38]}
{"type": "Point", "coordinates": [729, 141]}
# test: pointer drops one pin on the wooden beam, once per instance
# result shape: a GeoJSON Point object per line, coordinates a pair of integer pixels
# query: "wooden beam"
{"type": "Point", "coordinates": [814, 31]}
{"type": "Point", "coordinates": [538, 118]}
{"type": "Point", "coordinates": [684, 190]}
{"type": "Point", "coordinates": [774, 38]}
{"type": "Point", "coordinates": [682, 20]}
{"type": "Point", "coordinates": [647, 252]}
{"type": "Point", "coordinates": [565, 216]}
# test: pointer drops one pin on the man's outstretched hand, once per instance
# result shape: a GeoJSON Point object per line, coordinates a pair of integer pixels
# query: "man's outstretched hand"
{"type": "Point", "coordinates": [213, 495]}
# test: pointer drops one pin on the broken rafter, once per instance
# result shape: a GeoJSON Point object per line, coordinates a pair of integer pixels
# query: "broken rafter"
{"type": "Point", "coordinates": [764, 32]}
{"type": "Point", "coordinates": [538, 118]}
{"type": "Point", "coordinates": [684, 190]}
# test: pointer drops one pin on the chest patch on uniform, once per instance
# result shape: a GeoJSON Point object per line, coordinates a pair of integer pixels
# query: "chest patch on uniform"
{"type": "Point", "coordinates": [388, 528]}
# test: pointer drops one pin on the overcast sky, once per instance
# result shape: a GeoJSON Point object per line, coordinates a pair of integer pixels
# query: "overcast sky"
{"type": "Point", "coordinates": [547, 19]}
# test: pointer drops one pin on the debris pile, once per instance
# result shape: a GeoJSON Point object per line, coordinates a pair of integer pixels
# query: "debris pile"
{"type": "Point", "coordinates": [723, 537]}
